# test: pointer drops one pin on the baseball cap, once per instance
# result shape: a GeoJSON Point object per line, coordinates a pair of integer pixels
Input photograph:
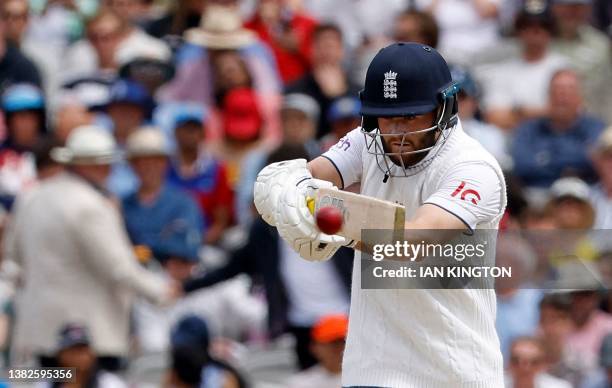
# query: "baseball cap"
{"type": "Point", "coordinates": [344, 108]}
{"type": "Point", "coordinates": [606, 352]}
{"type": "Point", "coordinates": [189, 112]}
{"type": "Point", "coordinates": [330, 328]}
{"type": "Point", "coordinates": [534, 12]}
{"type": "Point", "coordinates": [241, 116]}
{"type": "Point", "coordinates": [72, 335]}
{"type": "Point", "coordinates": [570, 187]}
{"type": "Point", "coordinates": [303, 103]}
{"type": "Point", "coordinates": [128, 91]}
{"type": "Point", "coordinates": [190, 331]}
{"type": "Point", "coordinates": [20, 97]}
{"type": "Point", "coordinates": [147, 141]}
{"type": "Point", "coordinates": [604, 142]}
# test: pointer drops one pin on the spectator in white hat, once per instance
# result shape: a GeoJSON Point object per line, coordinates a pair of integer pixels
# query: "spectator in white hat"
{"type": "Point", "coordinates": [76, 259]}
{"type": "Point", "coordinates": [158, 214]}
{"type": "Point", "coordinates": [570, 204]}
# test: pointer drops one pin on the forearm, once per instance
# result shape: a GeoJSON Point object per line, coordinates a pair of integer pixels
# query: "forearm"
{"type": "Point", "coordinates": [322, 168]}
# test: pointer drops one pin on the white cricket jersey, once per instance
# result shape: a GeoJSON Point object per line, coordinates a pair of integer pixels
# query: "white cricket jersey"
{"type": "Point", "coordinates": [417, 338]}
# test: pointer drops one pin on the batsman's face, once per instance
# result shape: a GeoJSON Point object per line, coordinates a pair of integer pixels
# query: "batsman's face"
{"type": "Point", "coordinates": [401, 137]}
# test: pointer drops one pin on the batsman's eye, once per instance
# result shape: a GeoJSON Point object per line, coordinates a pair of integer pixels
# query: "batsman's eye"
{"type": "Point", "coordinates": [321, 246]}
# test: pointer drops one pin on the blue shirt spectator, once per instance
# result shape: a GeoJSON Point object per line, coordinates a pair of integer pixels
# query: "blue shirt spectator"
{"type": "Point", "coordinates": [543, 154]}
{"type": "Point", "coordinates": [558, 144]}
{"type": "Point", "coordinates": [159, 216]}
{"type": "Point", "coordinates": [173, 219]}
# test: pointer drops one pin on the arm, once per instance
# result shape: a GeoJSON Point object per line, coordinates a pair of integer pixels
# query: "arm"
{"type": "Point", "coordinates": [323, 168]}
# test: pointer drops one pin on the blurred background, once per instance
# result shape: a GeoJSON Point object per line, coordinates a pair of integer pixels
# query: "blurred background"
{"type": "Point", "coordinates": [132, 132]}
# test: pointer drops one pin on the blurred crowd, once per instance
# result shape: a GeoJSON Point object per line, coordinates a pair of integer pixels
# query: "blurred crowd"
{"type": "Point", "coordinates": [133, 131]}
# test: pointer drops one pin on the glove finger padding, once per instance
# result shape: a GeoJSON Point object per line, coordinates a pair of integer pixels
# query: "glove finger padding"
{"type": "Point", "coordinates": [270, 183]}
{"type": "Point", "coordinates": [296, 224]}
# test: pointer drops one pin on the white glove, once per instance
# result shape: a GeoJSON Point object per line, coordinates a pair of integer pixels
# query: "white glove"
{"type": "Point", "coordinates": [296, 224]}
{"type": "Point", "coordinates": [270, 183]}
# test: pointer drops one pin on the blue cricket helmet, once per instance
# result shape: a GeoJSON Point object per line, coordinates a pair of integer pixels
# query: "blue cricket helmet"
{"type": "Point", "coordinates": [407, 79]}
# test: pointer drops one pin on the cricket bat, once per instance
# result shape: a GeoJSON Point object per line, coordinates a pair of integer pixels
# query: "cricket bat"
{"type": "Point", "coordinates": [360, 212]}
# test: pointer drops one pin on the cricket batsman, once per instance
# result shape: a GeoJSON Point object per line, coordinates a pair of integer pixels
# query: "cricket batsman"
{"type": "Point", "coordinates": [410, 149]}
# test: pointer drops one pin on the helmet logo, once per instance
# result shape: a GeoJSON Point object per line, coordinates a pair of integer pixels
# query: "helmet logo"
{"type": "Point", "coordinates": [390, 85]}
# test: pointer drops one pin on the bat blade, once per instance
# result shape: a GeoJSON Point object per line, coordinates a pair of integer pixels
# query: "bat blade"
{"type": "Point", "coordinates": [363, 213]}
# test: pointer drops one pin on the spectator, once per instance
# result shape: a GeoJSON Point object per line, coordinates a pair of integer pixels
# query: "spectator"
{"type": "Point", "coordinates": [591, 325]}
{"type": "Point", "coordinates": [98, 273]}
{"type": "Point", "coordinates": [16, 15]}
{"type": "Point", "coordinates": [24, 108]}
{"type": "Point", "coordinates": [416, 26]}
{"type": "Point", "coordinates": [108, 34]}
{"type": "Point", "coordinates": [192, 364]}
{"type": "Point", "coordinates": [14, 66]}
{"type": "Point", "coordinates": [328, 336]}
{"type": "Point", "coordinates": [601, 194]}
{"type": "Point", "coordinates": [517, 91]}
{"type": "Point", "coordinates": [465, 26]}
{"type": "Point", "coordinates": [222, 55]}
{"type": "Point", "coordinates": [490, 136]}
{"type": "Point", "coordinates": [45, 56]}
{"type": "Point", "coordinates": [150, 65]}
{"type": "Point", "coordinates": [74, 351]}
{"type": "Point", "coordinates": [298, 292]}
{"type": "Point", "coordinates": [603, 377]}
{"type": "Point", "coordinates": [527, 366]}
{"type": "Point", "coordinates": [328, 79]}
{"type": "Point", "coordinates": [556, 145]}
{"type": "Point", "coordinates": [242, 128]}
{"type": "Point", "coordinates": [588, 50]}
{"type": "Point", "coordinates": [517, 300]}
{"type": "Point", "coordinates": [105, 32]}
{"type": "Point", "coordinates": [288, 32]}
{"type": "Point", "coordinates": [158, 215]}
{"type": "Point", "coordinates": [199, 172]}
{"type": "Point", "coordinates": [343, 116]}
{"type": "Point", "coordinates": [555, 326]}
{"type": "Point", "coordinates": [130, 106]}
{"type": "Point", "coordinates": [299, 119]}
{"type": "Point", "coordinates": [570, 206]}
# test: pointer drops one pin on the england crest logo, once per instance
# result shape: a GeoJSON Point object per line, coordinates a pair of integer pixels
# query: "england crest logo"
{"type": "Point", "coordinates": [390, 85]}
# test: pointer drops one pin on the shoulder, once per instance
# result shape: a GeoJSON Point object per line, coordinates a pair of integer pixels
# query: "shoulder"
{"type": "Point", "coordinates": [467, 150]}
{"type": "Point", "coordinates": [590, 122]}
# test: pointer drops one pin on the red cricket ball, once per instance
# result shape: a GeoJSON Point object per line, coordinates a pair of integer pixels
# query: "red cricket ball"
{"type": "Point", "coordinates": [329, 219]}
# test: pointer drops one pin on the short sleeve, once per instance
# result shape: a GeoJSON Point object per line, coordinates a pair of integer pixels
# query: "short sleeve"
{"type": "Point", "coordinates": [346, 156]}
{"type": "Point", "coordinates": [473, 192]}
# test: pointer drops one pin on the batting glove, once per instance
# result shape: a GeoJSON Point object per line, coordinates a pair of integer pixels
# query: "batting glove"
{"type": "Point", "coordinates": [270, 183]}
{"type": "Point", "coordinates": [296, 224]}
